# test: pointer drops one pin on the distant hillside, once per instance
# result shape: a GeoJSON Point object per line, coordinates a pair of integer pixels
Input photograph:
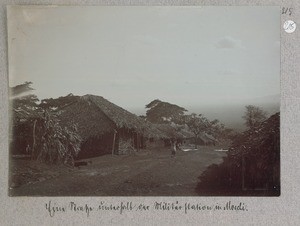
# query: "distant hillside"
{"type": "Point", "coordinates": [231, 114]}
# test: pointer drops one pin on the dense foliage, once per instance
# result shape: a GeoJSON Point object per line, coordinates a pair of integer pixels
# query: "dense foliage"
{"type": "Point", "coordinates": [36, 129]}
{"type": "Point", "coordinates": [54, 143]}
{"type": "Point", "coordinates": [252, 164]}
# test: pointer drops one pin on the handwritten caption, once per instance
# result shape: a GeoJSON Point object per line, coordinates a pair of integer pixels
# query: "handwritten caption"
{"type": "Point", "coordinates": [54, 208]}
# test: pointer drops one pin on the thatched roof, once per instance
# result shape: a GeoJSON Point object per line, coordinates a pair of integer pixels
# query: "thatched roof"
{"type": "Point", "coordinates": [170, 131]}
{"type": "Point", "coordinates": [152, 131]}
{"type": "Point", "coordinates": [167, 130]}
{"type": "Point", "coordinates": [121, 117]}
{"type": "Point", "coordinates": [184, 133]}
{"type": "Point", "coordinates": [96, 116]}
{"type": "Point", "coordinates": [207, 138]}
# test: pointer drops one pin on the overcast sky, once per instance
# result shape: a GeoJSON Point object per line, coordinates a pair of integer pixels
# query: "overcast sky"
{"type": "Point", "coordinates": [190, 56]}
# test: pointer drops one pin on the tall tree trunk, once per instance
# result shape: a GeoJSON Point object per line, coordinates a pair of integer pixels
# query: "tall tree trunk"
{"type": "Point", "coordinates": [34, 140]}
{"type": "Point", "coordinates": [114, 141]}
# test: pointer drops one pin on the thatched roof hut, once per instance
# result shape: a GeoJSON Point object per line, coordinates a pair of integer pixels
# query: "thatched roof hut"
{"type": "Point", "coordinates": [103, 126]}
{"type": "Point", "coordinates": [207, 139]}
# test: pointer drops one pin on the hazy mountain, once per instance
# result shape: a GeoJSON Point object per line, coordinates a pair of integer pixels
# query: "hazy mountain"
{"type": "Point", "coordinates": [231, 114]}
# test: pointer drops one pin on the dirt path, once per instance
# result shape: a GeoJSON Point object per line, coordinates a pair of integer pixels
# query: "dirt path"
{"type": "Point", "coordinates": [149, 173]}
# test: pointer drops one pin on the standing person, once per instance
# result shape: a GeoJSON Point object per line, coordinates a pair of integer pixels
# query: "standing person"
{"type": "Point", "coordinates": [174, 148]}
{"type": "Point", "coordinates": [27, 149]}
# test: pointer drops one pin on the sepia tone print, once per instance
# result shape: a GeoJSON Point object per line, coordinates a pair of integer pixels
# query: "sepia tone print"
{"type": "Point", "coordinates": [144, 101]}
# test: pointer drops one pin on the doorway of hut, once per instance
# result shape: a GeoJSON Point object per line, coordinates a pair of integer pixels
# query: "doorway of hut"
{"type": "Point", "coordinates": [96, 146]}
{"type": "Point", "coordinates": [128, 141]}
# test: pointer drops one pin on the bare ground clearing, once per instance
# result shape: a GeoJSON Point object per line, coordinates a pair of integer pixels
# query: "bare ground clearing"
{"type": "Point", "coordinates": [147, 173]}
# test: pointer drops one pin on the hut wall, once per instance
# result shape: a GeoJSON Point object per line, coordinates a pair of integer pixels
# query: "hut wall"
{"type": "Point", "coordinates": [96, 146]}
{"type": "Point", "coordinates": [138, 141]}
{"type": "Point", "coordinates": [128, 141]}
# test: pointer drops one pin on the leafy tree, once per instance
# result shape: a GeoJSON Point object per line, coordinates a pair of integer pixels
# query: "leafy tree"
{"type": "Point", "coordinates": [254, 116]}
{"type": "Point", "coordinates": [200, 124]}
{"type": "Point", "coordinates": [218, 129]}
{"type": "Point", "coordinates": [36, 128]}
{"type": "Point", "coordinates": [163, 112]}
{"type": "Point", "coordinates": [215, 127]}
{"type": "Point", "coordinates": [196, 123]}
{"type": "Point", "coordinates": [23, 102]}
{"type": "Point", "coordinates": [54, 142]}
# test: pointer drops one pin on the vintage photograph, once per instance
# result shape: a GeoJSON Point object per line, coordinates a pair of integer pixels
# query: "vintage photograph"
{"type": "Point", "coordinates": [144, 101]}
